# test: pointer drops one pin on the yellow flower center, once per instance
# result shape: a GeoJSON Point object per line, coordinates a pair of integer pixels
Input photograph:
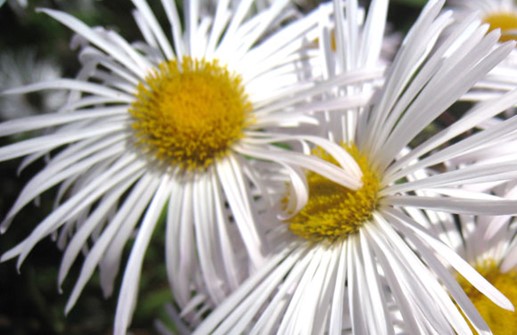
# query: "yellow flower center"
{"type": "Point", "coordinates": [188, 114]}
{"type": "Point", "coordinates": [500, 321]}
{"type": "Point", "coordinates": [333, 212]}
{"type": "Point", "coordinates": [506, 21]}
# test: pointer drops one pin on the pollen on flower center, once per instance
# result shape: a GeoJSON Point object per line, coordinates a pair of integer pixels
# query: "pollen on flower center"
{"type": "Point", "coordinates": [499, 320]}
{"type": "Point", "coordinates": [506, 21]}
{"type": "Point", "coordinates": [333, 212]}
{"type": "Point", "coordinates": [188, 114]}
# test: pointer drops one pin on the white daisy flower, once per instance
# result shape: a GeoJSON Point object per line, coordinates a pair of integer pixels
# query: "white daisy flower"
{"type": "Point", "coordinates": [367, 260]}
{"type": "Point", "coordinates": [498, 15]}
{"type": "Point", "coordinates": [490, 244]}
{"type": "Point", "coordinates": [166, 128]}
{"type": "Point", "coordinates": [23, 67]}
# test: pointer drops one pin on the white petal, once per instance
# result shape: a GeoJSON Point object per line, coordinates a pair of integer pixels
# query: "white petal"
{"type": "Point", "coordinates": [47, 142]}
{"type": "Point", "coordinates": [461, 266]}
{"type": "Point", "coordinates": [129, 288]}
{"type": "Point", "coordinates": [95, 38]}
{"type": "Point", "coordinates": [151, 20]}
{"type": "Point", "coordinates": [454, 205]}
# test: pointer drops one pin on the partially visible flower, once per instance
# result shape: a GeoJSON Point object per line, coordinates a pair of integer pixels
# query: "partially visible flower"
{"type": "Point", "coordinates": [366, 260]}
{"type": "Point", "coordinates": [170, 130]}
{"type": "Point", "coordinates": [497, 15]}
{"type": "Point", "coordinates": [489, 243]}
{"type": "Point", "coordinates": [23, 67]}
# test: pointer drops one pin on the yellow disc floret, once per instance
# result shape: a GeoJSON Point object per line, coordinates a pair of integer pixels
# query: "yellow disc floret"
{"type": "Point", "coordinates": [500, 321]}
{"type": "Point", "coordinates": [188, 114]}
{"type": "Point", "coordinates": [333, 212]}
{"type": "Point", "coordinates": [506, 21]}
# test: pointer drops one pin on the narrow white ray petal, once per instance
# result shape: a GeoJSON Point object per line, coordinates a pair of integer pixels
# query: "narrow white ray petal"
{"type": "Point", "coordinates": [192, 27]}
{"type": "Point", "coordinates": [346, 30]}
{"type": "Point", "coordinates": [114, 82]}
{"type": "Point", "coordinates": [288, 294]}
{"type": "Point", "coordinates": [151, 20]}
{"type": "Point", "coordinates": [265, 22]}
{"type": "Point", "coordinates": [77, 151]}
{"type": "Point", "coordinates": [343, 158]}
{"type": "Point", "coordinates": [121, 171]}
{"type": "Point", "coordinates": [76, 85]}
{"type": "Point", "coordinates": [129, 288]}
{"type": "Point", "coordinates": [143, 63]}
{"type": "Point", "coordinates": [48, 142]}
{"type": "Point", "coordinates": [338, 300]}
{"type": "Point", "coordinates": [221, 18]}
{"type": "Point", "coordinates": [53, 175]}
{"type": "Point", "coordinates": [282, 261]}
{"type": "Point", "coordinates": [475, 116]}
{"type": "Point", "coordinates": [95, 38]}
{"type": "Point", "coordinates": [461, 194]}
{"type": "Point", "coordinates": [236, 19]}
{"type": "Point", "coordinates": [311, 163]}
{"type": "Point", "coordinates": [328, 294]}
{"type": "Point", "coordinates": [454, 205]}
{"type": "Point", "coordinates": [96, 60]}
{"type": "Point", "coordinates": [194, 303]}
{"type": "Point", "coordinates": [147, 34]}
{"type": "Point", "coordinates": [237, 193]}
{"type": "Point", "coordinates": [174, 20]}
{"type": "Point", "coordinates": [179, 324]}
{"type": "Point", "coordinates": [356, 316]}
{"type": "Point", "coordinates": [180, 240]}
{"type": "Point", "coordinates": [43, 121]}
{"type": "Point", "coordinates": [399, 293]}
{"type": "Point", "coordinates": [228, 253]}
{"type": "Point", "coordinates": [468, 175]}
{"type": "Point", "coordinates": [465, 269]}
{"type": "Point", "coordinates": [203, 210]}
{"type": "Point", "coordinates": [431, 71]}
{"type": "Point", "coordinates": [428, 253]}
{"type": "Point", "coordinates": [109, 264]}
{"type": "Point", "coordinates": [298, 312]}
{"type": "Point", "coordinates": [406, 61]}
{"type": "Point", "coordinates": [373, 30]}
{"type": "Point", "coordinates": [278, 103]}
{"type": "Point", "coordinates": [510, 260]}
{"type": "Point", "coordinates": [277, 48]}
{"type": "Point", "coordinates": [420, 282]}
{"type": "Point", "coordinates": [80, 237]}
{"type": "Point", "coordinates": [273, 314]}
{"type": "Point", "coordinates": [337, 105]}
{"type": "Point", "coordinates": [500, 133]}
{"type": "Point", "coordinates": [379, 318]}
{"type": "Point", "coordinates": [452, 87]}
{"type": "Point", "coordinates": [298, 194]}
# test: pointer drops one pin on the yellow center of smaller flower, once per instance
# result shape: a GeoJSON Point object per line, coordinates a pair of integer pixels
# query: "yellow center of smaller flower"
{"type": "Point", "coordinates": [189, 114]}
{"type": "Point", "coordinates": [333, 212]}
{"type": "Point", "coordinates": [500, 321]}
{"type": "Point", "coordinates": [506, 21]}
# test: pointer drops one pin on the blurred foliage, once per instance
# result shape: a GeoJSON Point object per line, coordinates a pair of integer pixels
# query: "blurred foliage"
{"type": "Point", "coordinates": [30, 303]}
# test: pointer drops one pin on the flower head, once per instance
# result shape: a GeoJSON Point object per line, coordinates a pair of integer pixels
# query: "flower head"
{"type": "Point", "coordinates": [174, 132]}
{"type": "Point", "coordinates": [366, 259]}
{"type": "Point", "coordinates": [488, 243]}
{"type": "Point", "coordinates": [498, 14]}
